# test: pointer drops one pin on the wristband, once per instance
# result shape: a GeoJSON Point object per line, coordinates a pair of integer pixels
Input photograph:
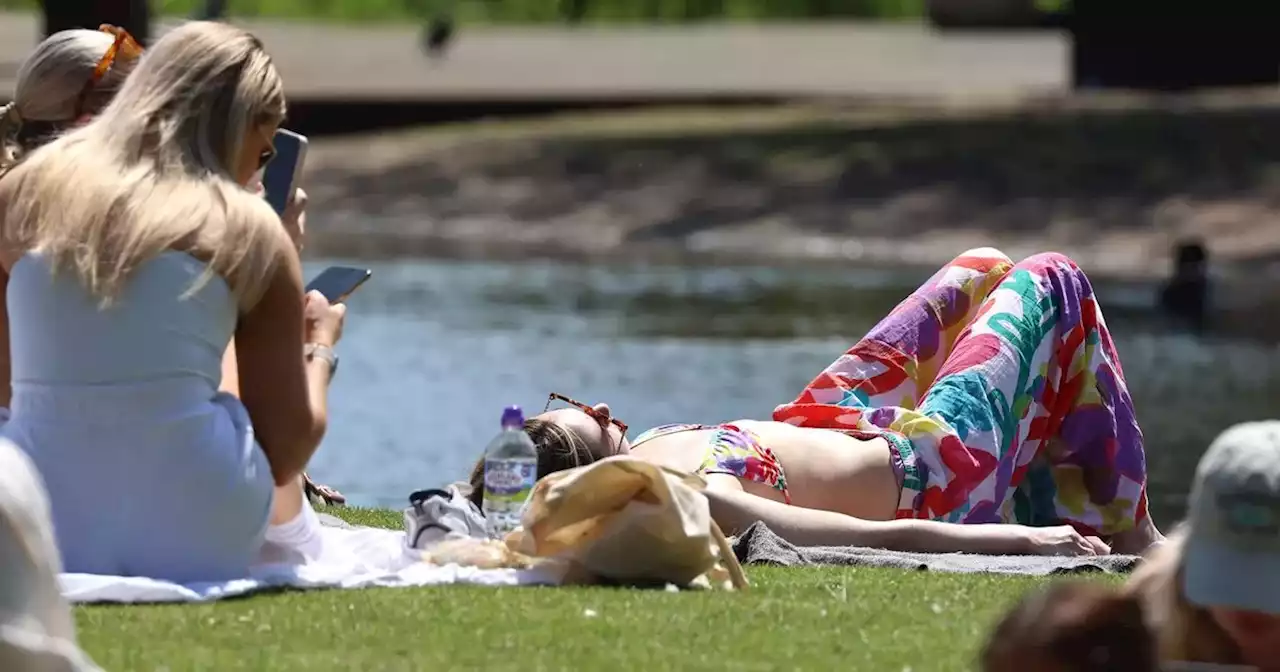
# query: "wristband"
{"type": "Point", "coordinates": [314, 351]}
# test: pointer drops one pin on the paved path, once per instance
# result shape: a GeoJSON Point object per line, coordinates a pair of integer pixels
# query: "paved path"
{"type": "Point", "coordinates": [846, 59]}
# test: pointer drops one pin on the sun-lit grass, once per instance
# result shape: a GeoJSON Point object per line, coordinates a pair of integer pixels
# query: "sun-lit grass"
{"type": "Point", "coordinates": [815, 619]}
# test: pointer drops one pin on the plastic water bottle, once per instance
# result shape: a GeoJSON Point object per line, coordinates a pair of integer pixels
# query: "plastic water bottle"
{"type": "Point", "coordinates": [510, 472]}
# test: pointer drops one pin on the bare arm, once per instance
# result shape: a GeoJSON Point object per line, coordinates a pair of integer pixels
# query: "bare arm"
{"type": "Point", "coordinates": [8, 257]}
{"type": "Point", "coordinates": [230, 371]}
{"type": "Point", "coordinates": [286, 395]}
{"type": "Point", "coordinates": [735, 510]}
{"type": "Point", "coordinates": [6, 373]}
{"type": "Point", "coordinates": [295, 223]}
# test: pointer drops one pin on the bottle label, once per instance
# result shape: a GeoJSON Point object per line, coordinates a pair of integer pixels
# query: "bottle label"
{"type": "Point", "coordinates": [509, 481]}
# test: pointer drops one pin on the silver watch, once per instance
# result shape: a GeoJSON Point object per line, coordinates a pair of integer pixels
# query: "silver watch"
{"type": "Point", "coordinates": [321, 351]}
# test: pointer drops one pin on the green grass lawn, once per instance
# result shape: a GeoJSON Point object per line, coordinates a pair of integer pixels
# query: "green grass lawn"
{"type": "Point", "coordinates": [813, 619]}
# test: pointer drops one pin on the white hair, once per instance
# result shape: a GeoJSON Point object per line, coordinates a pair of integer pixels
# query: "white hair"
{"type": "Point", "coordinates": [156, 170]}
{"type": "Point", "coordinates": [51, 81]}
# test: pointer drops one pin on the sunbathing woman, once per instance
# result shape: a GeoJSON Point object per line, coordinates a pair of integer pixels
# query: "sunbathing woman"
{"type": "Point", "coordinates": [993, 394]}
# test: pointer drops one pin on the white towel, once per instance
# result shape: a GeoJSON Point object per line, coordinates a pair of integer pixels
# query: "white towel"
{"type": "Point", "coordinates": [351, 558]}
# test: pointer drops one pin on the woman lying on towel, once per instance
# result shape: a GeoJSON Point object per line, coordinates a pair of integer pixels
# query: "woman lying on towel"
{"type": "Point", "coordinates": [987, 413]}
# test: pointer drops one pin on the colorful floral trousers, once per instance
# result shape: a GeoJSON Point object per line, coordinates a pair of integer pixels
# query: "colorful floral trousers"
{"type": "Point", "coordinates": [1001, 395]}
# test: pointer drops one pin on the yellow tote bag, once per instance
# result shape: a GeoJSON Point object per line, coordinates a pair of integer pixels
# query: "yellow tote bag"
{"type": "Point", "coordinates": [625, 519]}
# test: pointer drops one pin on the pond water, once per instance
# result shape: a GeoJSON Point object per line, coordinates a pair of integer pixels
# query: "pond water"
{"type": "Point", "coordinates": [434, 349]}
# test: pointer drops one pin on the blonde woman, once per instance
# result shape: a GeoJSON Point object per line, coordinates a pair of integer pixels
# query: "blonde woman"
{"type": "Point", "coordinates": [1212, 591]}
{"type": "Point", "coordinates": [67, 79]}
{"type": "Point", "coordinates": [133, 251]}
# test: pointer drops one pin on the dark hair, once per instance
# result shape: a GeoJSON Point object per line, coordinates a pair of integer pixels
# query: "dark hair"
{"type": "Point", "coordinates": [1190, 252]}
{"type": "Point", "coordinates": [559, 448]}
{"type": "Point", "coordinates": [1070, 626]}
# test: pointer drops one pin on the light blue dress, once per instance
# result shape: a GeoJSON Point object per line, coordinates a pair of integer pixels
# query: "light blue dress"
{"type": "Point", "coordinates": [150, 470]}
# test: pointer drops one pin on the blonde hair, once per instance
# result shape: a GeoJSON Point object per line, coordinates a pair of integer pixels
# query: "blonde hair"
{"type": "Point", "coordinates": [49, 87]}
{"type": "Point", "coordinates": [156, 170]}
{"type": "Point", "coordinates": [1184, 631]}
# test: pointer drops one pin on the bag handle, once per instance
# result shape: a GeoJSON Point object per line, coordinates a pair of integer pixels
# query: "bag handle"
{"type": "Point", "coordinates": [730, 559]}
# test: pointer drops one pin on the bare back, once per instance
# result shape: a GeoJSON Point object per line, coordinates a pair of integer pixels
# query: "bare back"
{"type": "Point", "coordinates": [824, 469]}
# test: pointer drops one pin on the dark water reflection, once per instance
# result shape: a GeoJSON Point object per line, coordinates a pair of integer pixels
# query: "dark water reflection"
{"type": "Point", "coordinates": [434, 349]}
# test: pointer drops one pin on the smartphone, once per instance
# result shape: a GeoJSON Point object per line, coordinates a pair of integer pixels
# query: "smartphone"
{"type": "Point", "coordinates": [338, 282]}
{"type": "Point", "coordinates": [283, 172]}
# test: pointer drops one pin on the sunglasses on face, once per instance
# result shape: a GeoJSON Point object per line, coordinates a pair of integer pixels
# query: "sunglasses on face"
{"type": "Point", "coordinates": [596, 415]}
{"type": "Point", "coordinates": [124, 45]}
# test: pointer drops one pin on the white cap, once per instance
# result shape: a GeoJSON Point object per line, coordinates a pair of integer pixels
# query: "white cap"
{"type": "Point", "coordinates": [1232, 555]}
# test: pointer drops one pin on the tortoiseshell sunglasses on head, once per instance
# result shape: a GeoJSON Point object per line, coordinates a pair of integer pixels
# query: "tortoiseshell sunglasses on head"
{"type": "Point", "coordinates": [585, 409]}
{"type": "Point", "coordinates": [123, 46]}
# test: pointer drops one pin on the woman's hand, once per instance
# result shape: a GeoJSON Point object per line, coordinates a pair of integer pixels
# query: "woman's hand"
{"type": "Point", "coordinates": [294, 218]}
{"type": "Point", "coordinates": [322, 321]}
{"type": "Point", "coordinates": [1063, 540]}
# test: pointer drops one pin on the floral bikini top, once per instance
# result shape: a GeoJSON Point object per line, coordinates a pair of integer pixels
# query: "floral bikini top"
{"type": "Point", "coordinates": [731, 450]}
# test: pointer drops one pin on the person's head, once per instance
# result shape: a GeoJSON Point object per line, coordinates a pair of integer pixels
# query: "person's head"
{"type": "Point", "coordinates": [571, 435]}
{"type": "Point", "coordinates": [594, 425]}
{"type": "Point", "coordinates": [1072, 626]}
{"type": "Point", "coordinates": [205, 100]}
{"type": "Point", "coordinates": [1212, 589]}
{"type": "Point", "coordinates": [1231, 557]}
{"type": "Point", "coordinates": [163, 166]}
{"type": "Point", "coordinates": [1190, 257]}
{"type": "Point", "coordinates": [71, 75]}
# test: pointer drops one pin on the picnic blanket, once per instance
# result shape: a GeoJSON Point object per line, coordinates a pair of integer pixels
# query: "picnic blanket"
{"type": "Point", "coordinates": [761, 546]}
{"type": "Point", "coordinates": [353, 557]}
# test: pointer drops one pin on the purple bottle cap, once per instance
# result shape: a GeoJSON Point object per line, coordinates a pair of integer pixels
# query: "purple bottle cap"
{"type": "Point", "coordinates": [512, 416]}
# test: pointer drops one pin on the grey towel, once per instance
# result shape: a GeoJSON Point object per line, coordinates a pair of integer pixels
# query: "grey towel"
{"type": "Point", "coordinates": [760, 546]}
